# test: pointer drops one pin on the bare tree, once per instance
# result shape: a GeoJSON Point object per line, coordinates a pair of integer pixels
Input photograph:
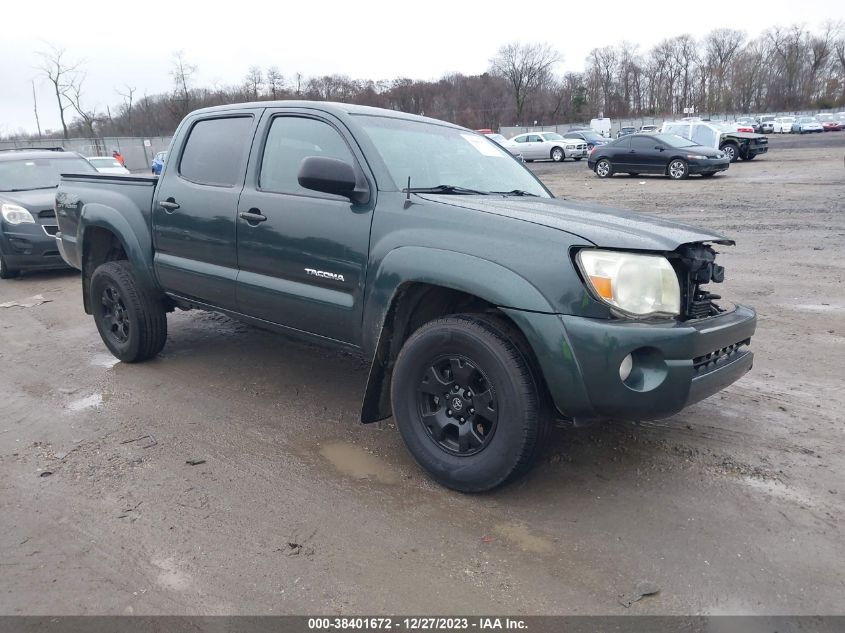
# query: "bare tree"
{"type": "Point", "coordinates": [275, 81]}
{"type": "Point", "coordinates": [60, 72]}
{"type": "Point", "coordinates": [73, 93]}
{"type": "Point", "coordinates": [525, 67]}
{"type": "Point", "coordinates": [182, 73]}
{"type": "Point", "coordinates": [254, 81]}
{"type": "Point", "coordinates": [128, 96]}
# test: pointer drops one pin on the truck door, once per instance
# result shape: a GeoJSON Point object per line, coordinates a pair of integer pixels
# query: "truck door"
{"type": "Point", "coordinates": [302, 254]}
{"type": "Point", "coordinates": [195, 210]}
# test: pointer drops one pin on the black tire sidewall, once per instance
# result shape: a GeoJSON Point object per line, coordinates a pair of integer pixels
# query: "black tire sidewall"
{"type": "Point", "coordinates": [516, 394]}
{"type": "Point", "coordinates": [108, 274]}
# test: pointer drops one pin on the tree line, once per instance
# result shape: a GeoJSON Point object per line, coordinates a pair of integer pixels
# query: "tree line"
{"type": "Point", "coordinates": [784, 69]}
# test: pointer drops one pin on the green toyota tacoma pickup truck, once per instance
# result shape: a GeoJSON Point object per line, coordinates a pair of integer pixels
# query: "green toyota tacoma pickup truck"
{"type": "Point", "coordinates": [487, 308]}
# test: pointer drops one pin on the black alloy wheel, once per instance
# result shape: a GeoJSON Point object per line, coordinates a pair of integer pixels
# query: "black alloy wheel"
{"type": "Point", "coordinates": [457, 405]}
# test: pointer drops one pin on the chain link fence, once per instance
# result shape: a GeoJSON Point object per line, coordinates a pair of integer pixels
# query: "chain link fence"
{"type": "Point", "coordinates": [138, 152]}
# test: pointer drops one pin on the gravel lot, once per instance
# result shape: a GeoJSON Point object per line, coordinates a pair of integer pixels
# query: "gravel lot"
{"type": "Point", "coordinates": [733, 506]}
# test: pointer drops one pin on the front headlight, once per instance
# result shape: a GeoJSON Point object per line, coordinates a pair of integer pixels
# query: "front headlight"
{"type": "Point", "coordinates": [637, 285]}
{"type": "Point", "coordinates": [697, 156]}
{"type": "Point", "coordinates": [14, 214]}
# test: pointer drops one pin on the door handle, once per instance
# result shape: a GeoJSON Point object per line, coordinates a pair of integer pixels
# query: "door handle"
{"type": "Point", "coordinates": [169, 205]}
{"type": "Point", "coordinates": [253, 216]}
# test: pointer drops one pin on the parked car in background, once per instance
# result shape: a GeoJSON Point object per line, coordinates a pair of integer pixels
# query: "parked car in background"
{"type": "Point", "coordinates": [547, 145]}
{"type": "Point", "coordinates": [783, 125]}
{"type": "Point", "coordinates": [666, 154]}
{"type": "Point", "coordinates": [591, 138]}
{"type": "Point", "coordinates": [107, 165]}
{"type": "Point", "coordinates": [624, 131]}
{"type": "Point", "coordinates": [158, 162]}
{"type": "Point", "coordinates": [724, 137]}
{"type": "Point", "coordinates": [766, 123]}
{"type": "Point", "coordinates": [28, 181]}
{"type": "Point", "coordinates": [649, 129]}
{"type": "Point", "coordinates": [747, 124]}
{"type": "Point", "coordinates": [806, 125]}
{"type": "Point", "coordinates": [501, 140]}
{"type": "Point", "coordinates": [829, 122]}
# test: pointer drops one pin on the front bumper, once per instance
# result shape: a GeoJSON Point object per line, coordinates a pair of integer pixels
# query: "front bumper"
{"type": "Point", "coordinates": [30, 246]}
{"type": "Point", "coordinates": [675, 363]}
{"type": "Point", "coordinates": [709, 166]}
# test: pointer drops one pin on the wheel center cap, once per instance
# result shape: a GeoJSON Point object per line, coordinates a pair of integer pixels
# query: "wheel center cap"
{"type": "Point", "coordinates": [457, 404]}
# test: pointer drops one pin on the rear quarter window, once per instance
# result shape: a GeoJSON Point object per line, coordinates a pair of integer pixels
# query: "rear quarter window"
{"type": "Point", "coordinates": [216, 151]}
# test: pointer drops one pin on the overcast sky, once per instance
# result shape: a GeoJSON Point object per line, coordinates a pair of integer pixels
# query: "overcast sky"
{"type": "Point", "coordinates": [131, 42]}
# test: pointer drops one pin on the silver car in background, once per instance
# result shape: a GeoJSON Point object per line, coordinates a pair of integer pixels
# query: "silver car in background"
{"type": "Point", "coordinates": [547, 145]}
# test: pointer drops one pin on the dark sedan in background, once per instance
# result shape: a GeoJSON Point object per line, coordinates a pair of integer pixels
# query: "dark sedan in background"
{"type": "Point", "coordinates": [666, 154]}
{"type": "Point", "coordinates": [28, 181]}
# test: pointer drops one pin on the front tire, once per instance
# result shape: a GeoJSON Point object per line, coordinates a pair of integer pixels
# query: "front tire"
{"type": "Point", "coordinates": [557, 154]}
{"type": "Point", "coordinates": [678, 169]}
{"type": "Point", "coordinates": [467, 403]}
{"type": "Point", "coordinates": [131, 320]}
{"type": "Point", "coordinates": [604, 169]}
{"type": "Point", "coordinates": [731, 151]}
{"type": "Point", "coordinates": [5, 271]}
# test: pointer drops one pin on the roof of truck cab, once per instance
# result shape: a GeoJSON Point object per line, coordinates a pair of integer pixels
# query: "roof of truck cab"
{"type": "Point", "coordinates": [332, 107]}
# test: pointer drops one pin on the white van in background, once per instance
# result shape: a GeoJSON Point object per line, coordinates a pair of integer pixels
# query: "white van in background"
{"type": "Point", "coordinates": [602, 126]}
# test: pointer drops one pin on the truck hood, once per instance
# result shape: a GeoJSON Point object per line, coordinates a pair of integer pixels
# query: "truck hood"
{"type": "Point", "coordinates": [604, 227]}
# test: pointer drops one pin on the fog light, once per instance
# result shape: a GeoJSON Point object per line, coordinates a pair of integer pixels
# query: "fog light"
{"type": "Point", "coordinates": [626, 367]}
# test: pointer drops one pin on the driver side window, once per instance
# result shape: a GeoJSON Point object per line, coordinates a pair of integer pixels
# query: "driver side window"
{"type": "Point", "coordinates": [291, 140]}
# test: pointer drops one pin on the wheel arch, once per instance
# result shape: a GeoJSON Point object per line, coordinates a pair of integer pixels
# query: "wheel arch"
{"type": "Point", "coordinates": [415, 285]}
{"type": "Point", "coordinates": [106, 235]}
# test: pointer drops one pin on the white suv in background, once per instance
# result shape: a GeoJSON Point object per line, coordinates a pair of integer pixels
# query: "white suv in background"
{"type": "Point", "coordinates": [547, 145]}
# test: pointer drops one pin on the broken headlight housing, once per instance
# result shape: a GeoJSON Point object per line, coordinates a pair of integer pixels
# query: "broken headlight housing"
{"type": "Point", "coordinates": [634, 285]}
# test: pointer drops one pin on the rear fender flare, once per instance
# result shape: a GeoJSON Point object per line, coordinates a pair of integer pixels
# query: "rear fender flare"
{"type": "Point", "coordinates": [133, 235]}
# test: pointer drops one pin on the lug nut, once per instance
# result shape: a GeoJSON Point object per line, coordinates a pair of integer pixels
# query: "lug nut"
{"type": "Point", "coordinates": [471, 410]}
{"type": "Point", "coordinates": [462, 420]}
{"type": "Point", "coordinates": [449, 412]}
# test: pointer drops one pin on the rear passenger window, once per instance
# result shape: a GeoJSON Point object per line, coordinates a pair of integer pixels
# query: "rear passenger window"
{"type": "Point", "coordinates": [643, 143]}
{"type": "Point", "coordinates": [216, 151]}
{"type": "Point", "coordinates": [290, 141]}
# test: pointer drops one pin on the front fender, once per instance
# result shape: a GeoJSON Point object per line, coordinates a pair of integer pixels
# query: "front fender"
{"type": "Point", "coordinates": [473, 275]}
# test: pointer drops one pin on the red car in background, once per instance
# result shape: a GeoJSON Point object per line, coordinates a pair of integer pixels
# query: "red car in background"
{"type": "Point", "coordinates": [829, 123]}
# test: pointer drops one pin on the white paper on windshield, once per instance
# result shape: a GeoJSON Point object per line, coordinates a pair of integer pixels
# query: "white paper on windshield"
{"type": "Point", "coordinates": [483, 146]}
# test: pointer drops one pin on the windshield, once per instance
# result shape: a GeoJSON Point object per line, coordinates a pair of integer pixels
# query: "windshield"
{"type": "Point", "coordinates": [825, 117]}
{"type": "Point", "coordinates": [551, 136]}
{"type": "Point", "coordinates": [433, 155]}
{"type": "Point", "coordinates": [497, 137]}
{"type": "Point", "coordinates": [39, 173]}
{"type": "Point", "coordinates": [806, 119]}
{"type": "Point", "coordinates": [673, 140]}
{"type": "Point", "coordinates": [591, 136]}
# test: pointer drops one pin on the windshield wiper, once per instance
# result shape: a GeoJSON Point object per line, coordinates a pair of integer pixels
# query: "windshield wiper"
{"type": "Point", "coordinates": [516, 192]}
{"type": "Point", "coordinates": [445, 189]}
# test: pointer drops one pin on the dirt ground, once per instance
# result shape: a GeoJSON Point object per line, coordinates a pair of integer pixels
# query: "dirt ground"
{"type": "Point", "coordinates": [733, 506]}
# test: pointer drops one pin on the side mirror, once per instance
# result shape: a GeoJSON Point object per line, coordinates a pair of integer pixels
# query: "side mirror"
{"type": "Point", "coordinates": [659, 148]}
{"type": "Point", "coordinates": [331, 175]}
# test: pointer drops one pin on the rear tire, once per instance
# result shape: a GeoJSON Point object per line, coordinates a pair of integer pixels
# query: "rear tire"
{"type": "Point", "coordinates": [131, 320]}
{"type": "Point", "coordinates": [604, 169]}
{"type": "Point", "coordinates": [444, 370]}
